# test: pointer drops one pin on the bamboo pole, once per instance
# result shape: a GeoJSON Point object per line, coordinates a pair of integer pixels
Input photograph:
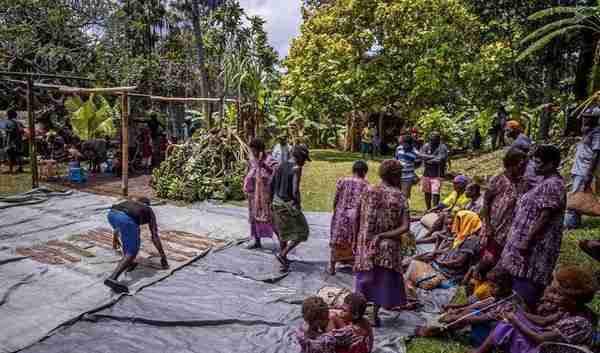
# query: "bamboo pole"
{"type": "Point", "coordinates": [181, 99]}
{"type": "Point", "coordinates": [32, 145]}
{"type": "Point", "coordinates": [114, 90]}
{"type": "Point", "coordinates": [125, 143]}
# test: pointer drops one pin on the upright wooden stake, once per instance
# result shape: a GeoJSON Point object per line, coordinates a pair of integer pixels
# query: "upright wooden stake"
{"type": "Point", "coordinates": [32, 146]}
{"type": "Point", "coordinates": [125, 142]}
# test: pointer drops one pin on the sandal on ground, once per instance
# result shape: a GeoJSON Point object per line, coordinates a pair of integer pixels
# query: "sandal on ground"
{"type": "Point", "coordinates": [254, 245]}
{"type": "Point", "coordinates": [116, 286]}
{"type": "Point", "coordinates": [132, 267]}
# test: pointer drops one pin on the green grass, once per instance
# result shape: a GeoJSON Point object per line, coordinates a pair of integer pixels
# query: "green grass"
{"type": "Point", "coordinates": [320, 176]}
{"type": "Point", "coordinates": [14, 183]}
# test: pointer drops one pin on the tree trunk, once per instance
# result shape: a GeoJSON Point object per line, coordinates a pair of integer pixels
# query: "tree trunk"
{"type": "Point", "coordinates": [204, 87]}
{"type": "Point", "coordinates": [584, 64]}
{"type": "Point", "coordinates": [545, 124]}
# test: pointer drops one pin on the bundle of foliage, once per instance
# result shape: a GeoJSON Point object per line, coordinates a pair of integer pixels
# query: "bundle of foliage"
{"type": "Point", "coordinates": [93, 118]}
{"type": "Point", "coordinates": [210, 166]}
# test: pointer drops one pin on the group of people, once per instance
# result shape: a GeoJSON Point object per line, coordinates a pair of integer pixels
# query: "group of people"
{"type": "Point", "coordinates": [503, 244]}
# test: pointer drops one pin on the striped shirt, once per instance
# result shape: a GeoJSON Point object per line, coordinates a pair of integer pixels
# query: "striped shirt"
{"type": "Point", "coordinates": [407, 159]}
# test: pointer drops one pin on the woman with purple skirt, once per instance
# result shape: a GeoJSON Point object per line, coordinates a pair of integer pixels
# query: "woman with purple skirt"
{"type": "Point", "coordinates": [257, 186]}
{"type": "Point", "coordinates": [384, 220]}
{"type": "Point", "coordinates": [533, 245]}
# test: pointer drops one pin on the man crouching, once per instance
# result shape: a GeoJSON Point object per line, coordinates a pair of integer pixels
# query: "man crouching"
{"type": "Point", "coordinates": [126, 217]}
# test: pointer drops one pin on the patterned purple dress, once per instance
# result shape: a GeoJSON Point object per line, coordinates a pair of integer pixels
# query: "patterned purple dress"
{"type": "Point", "coordinates": [534, 271]}
{"type": "Point", "coordinates": [346, 217]}
{"type": "Point", "coordinates": [379, 269]}
{"type": "Point", "coordinates": [257, 186]}
{"type": "Point", "coordinates": [574, 330]}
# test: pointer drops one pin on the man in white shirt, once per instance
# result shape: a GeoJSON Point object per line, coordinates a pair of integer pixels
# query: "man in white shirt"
{"type": "Point", "coordinates": [281, 151]}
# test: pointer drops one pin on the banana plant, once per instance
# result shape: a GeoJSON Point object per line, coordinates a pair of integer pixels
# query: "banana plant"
{"type": "Point", "coordinates": [90, 121]}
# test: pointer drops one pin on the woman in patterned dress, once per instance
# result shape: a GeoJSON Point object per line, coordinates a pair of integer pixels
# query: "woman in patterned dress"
{"type": "Point", "coordinates": [499, 201]}
{"type": "Point", "coordinates": [383, 223]}
{"type": "Point", "coordinates": [345, 221]}
{"type": "Point", "coordinates": [257, 186]}
{"type": "Point", "coordinates": [568, 321]}
{"type": "Point", "coordinates": [533, 246]}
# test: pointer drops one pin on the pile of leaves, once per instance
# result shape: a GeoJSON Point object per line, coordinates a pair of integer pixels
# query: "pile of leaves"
{"type": "Point", "coordinates": [212, 165]}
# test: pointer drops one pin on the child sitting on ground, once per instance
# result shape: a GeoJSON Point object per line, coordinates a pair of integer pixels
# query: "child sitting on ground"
{"type": "Point", "coordinates": [313, 336]}
{"type": "Point", "coordinates": [352, 316]}
{"type": "Point", "coordinates": [482, 313]}
{"type": "Point", "coordinates": [479, 287]}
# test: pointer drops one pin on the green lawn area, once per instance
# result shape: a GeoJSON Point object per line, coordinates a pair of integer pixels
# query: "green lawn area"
{"type": "Point", "coordinates": [14, 183]}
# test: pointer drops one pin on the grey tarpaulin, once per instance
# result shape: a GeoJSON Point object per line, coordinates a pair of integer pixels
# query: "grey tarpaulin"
{"type": "Point", "coordinates": [36, 298]}
{"type": "Point", "coordinates": [233, 300]}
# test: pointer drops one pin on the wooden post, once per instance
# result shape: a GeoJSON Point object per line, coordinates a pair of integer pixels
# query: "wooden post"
{"type": "Point", "coordinates": [125, 143]}
{"type": "Point", "coordinates": [32, 145]}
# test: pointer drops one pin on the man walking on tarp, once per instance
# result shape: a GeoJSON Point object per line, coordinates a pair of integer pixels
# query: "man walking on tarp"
{"type": "Point", "coordinates": [434, 169]}
{"type": "Point", "coordinates": [288, 220]}
{"type": "Point", "coordinates": [126, 217]}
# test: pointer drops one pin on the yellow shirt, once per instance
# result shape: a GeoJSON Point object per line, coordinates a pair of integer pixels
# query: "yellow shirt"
{"type": "Point", "coordinates": [482, 290]}
{"type": "Point", "coordinates": [367, 135]}
{"type": "Point", "coordinates": [462, 202]}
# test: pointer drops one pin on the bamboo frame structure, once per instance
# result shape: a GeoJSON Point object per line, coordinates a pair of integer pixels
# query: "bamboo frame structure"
{"type": "Point", "coordinates": [125, 92]}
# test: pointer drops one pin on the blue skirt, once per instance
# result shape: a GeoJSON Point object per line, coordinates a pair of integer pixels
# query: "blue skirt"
{"type": "Point", "coordinates": [382, 287]}
{"type": "Point", "coordinates": [128, 230]}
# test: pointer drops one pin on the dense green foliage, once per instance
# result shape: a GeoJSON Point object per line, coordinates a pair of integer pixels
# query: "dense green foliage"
{"type": "Point", "coordinates": [186, 48]}
{"type": "Point", "coordinates": [428, 61]}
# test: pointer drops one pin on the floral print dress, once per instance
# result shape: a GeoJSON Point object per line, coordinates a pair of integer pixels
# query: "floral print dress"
{"type": "Point", "coordinates": [346, 217]}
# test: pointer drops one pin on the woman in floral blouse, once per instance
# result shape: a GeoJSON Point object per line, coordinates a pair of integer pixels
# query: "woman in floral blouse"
{"type": "Point", "coordinates": [378, 260]}
{"type": "Point", "coordinates": [533, 246]}
{"type": "Point", "coordinates": [345, 220]}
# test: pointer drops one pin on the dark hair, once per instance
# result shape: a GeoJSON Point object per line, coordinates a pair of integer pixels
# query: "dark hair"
{"type": "Point", "coordinates": [358, 306]}
{"type": "Point", "coordinates": [475, 186]}
{"type": "Point", "coordinates": [408, 140]}
{"type": "Point", "coordinates": [360, 168]}
{"type": "Point", "coordinates": [11, 114]}
{"type": "Point", "coordinates": [548, 154]}
{"type": "Point", "coordinates": [144, 200]}
{"type": "Point", "coordinates": [257, 144]}
{"type": "Point", "coordinates": [313, 308]}
{"type": "Point", "coordinates": [513, 157]}
{"type": "Point", "coordinates": [389, 169]}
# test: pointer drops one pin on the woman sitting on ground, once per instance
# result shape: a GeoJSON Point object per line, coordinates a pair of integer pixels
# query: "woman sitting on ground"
{"type": "Point", "coordinates": [352, 316]}
{"type": "Point", "coordinates": [457, 200]}
{"type": "Point", "coordinates": [346, 215]}
{"type": "Point", "coordinates": [523, 332]}
{"type": "Point", "coordinates": [313, 336]}
{"type": "Point", "coordinates": [451, 265]}
{"type": "Point", "coordinates": [473, 192]}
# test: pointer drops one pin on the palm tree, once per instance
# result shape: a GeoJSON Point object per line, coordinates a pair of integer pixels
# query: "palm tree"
{"type": "Point", "coordinates": [580, 19]}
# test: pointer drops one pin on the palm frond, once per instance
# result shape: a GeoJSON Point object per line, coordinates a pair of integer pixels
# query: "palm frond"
{"type": "Point", "coordinates": [542, 42]}
{"type": "Point", "coordinates": [553, 11]}
{"type": "Point", "coordinates": [550, 27]}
